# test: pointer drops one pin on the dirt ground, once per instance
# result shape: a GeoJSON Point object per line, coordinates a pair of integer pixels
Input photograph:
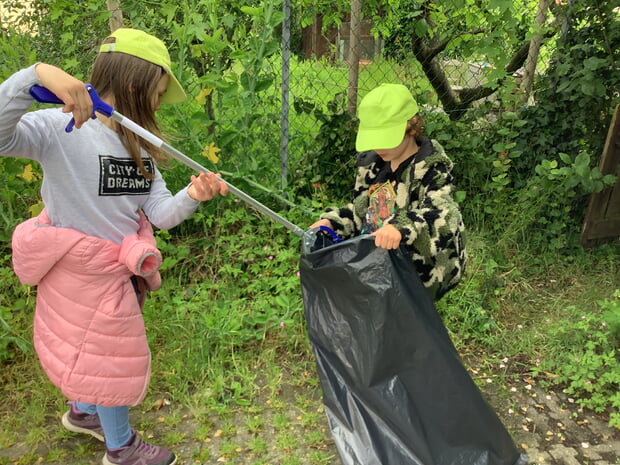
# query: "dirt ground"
{"type": "Point", "coordinates": [547, 426]}
{"type": "Point", "coordinates": [551, 428]}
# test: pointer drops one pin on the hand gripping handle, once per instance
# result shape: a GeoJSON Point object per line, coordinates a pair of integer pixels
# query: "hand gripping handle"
{"type": "Point", "coordinates": [44, 95]}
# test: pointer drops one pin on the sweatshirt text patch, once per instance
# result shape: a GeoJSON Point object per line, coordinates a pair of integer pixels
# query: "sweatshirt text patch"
{"type": "Point", "coordinates": [121, 176]}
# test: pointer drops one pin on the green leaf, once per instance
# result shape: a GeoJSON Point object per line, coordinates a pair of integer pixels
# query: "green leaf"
{"type": "Point", "coordinates": [502, 5]}
{"type": "Point", "coordinates": [565, 158]}
{"type": "Point", "coordinates": [252, 11]}
{"type": "Point", "coordinates": [460, 196]}
{"type": "Point", "coordinates": [263, 84]}
{"type": "Point", "coordinates": [594, 63]}
{"type": "Point", "coordinates": [421, 28]}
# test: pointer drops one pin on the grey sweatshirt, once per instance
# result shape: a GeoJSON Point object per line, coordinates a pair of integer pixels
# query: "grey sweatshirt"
{"type": "Point", "coordinates": [90, 182]}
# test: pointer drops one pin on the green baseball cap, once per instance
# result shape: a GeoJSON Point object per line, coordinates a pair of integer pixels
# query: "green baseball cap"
{"type": "Point", "coordinates": [147, 47]}
{"type": "Point", "coordinates": [383, 116]}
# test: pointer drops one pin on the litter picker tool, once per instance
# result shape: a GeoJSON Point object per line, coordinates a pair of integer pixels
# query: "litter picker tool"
{"type": "Point", "coordinates": [44, 95]}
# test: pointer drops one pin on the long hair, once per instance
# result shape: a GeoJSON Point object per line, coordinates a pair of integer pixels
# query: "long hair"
{"type": "Point", "coordinates": [132, 83]}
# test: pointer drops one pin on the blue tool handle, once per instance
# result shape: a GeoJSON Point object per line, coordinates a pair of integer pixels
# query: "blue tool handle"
{"type": "Point", "coordinates": [331, 232]}
{"type": "Point", "coordinates": [44, 95]}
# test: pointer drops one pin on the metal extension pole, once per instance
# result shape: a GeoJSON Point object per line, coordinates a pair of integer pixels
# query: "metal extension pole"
{"type": "Point", "coordinates": [187, 161]}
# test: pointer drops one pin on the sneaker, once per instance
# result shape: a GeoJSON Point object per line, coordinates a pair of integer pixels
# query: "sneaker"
{"type": "Point", "coordinates": [79, 422]}
{"type": "Point", "coordinates": [138, 452]}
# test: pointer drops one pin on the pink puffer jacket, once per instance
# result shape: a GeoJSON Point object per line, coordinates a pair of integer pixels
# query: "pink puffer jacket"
{"type": "Point", "coordinates": [88, 328]}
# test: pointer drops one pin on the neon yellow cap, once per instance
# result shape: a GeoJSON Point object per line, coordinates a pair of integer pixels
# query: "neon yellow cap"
{"type": "Point", "coordinates": [147, 47]}
{"type": "Point", "coordinates": [383, 115]}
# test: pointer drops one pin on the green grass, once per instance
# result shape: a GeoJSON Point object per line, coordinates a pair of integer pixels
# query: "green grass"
{"type": "Point", "coordinates": [231, 383]}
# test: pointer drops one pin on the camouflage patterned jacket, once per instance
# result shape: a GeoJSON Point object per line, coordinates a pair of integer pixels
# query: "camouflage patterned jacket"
{"type": "Point", "coordinates": [426, 214]}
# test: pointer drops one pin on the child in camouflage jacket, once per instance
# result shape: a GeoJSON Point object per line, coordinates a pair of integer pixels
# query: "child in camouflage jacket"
{"type": "Point", "coordinates": [403, 192]}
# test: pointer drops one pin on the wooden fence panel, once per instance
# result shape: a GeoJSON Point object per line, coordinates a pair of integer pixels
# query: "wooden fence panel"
{"type": "Point", "coordinates": [602, 222]}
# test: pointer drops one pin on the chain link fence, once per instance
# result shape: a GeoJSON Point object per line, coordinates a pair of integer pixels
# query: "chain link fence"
{"type": "Point", "coordinates": [280, 111]}
{"type": "Point", "coordinates": [450, 72]}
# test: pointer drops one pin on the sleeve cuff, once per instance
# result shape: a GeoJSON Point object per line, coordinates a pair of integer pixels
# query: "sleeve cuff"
{"type": "Point", "coordinates": [187, 201]}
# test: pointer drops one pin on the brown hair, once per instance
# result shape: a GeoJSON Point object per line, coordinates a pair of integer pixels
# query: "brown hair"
{"type": "Point", "coordinates": [415, 127]}
{"type": "Point", "coordinates": [132, 83]}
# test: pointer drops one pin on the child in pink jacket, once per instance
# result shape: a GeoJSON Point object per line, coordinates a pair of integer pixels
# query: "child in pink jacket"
{"type": "Point", "coordinates": [91, 252]}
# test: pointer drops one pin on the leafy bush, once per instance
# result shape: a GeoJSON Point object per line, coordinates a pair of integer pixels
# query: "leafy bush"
{"type": "Point", "coordinates": [15, 313]}
{"type": "Point", "coordinates": [59, 33]}
{"type": "Point", "coordinates": [575, 98]}
{"type": "Point", "coordinates": [330, 164]}
{"type": "Point", "coordinates": [587, 358]}
{"type": "Point", "coordinates": [20, 181]}
{"type": "Point", "coordinates": [547, 212]}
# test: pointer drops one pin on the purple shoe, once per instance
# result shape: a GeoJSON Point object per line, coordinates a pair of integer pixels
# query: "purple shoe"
{"type": "Point", "coordinates": [138, 452]}
{"type": "Point", "coordinates": [79, 422]}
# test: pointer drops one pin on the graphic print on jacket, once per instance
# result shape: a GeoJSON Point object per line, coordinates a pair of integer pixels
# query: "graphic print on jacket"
{"type": "Point", "coordinates": [382, 204]}
{"type": "Point", "coordinates": [121, 176]}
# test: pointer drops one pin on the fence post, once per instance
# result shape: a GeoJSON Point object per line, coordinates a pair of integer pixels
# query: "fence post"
{"type": "Point", "coordinates": [286, 60]}
{"type": "Point", "coordinates": [354, 55]}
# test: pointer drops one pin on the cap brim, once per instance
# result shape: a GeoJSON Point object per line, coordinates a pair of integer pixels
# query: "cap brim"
{"type": "Point", "coordinates": [383, 138]}
{"type": "Point", "coordinates": [174, 93]}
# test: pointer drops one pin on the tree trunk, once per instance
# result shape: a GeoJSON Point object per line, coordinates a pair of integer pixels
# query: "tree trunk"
{"type": "Point", "coordinates": [116, 20]}
{"type": "Point", "coordinates": [532, 58]}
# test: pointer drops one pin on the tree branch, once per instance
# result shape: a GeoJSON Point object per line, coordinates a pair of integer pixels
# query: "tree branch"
{"type": "Point", "coordinates": [457, 105]}
{"type": "Point", "coordinates": [426, 52]}
{"type": "Point", "coordinates": [441, 46]}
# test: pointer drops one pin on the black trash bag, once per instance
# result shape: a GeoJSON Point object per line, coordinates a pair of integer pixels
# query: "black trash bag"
{"type": "Point", "coordinates": [394, 387]}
